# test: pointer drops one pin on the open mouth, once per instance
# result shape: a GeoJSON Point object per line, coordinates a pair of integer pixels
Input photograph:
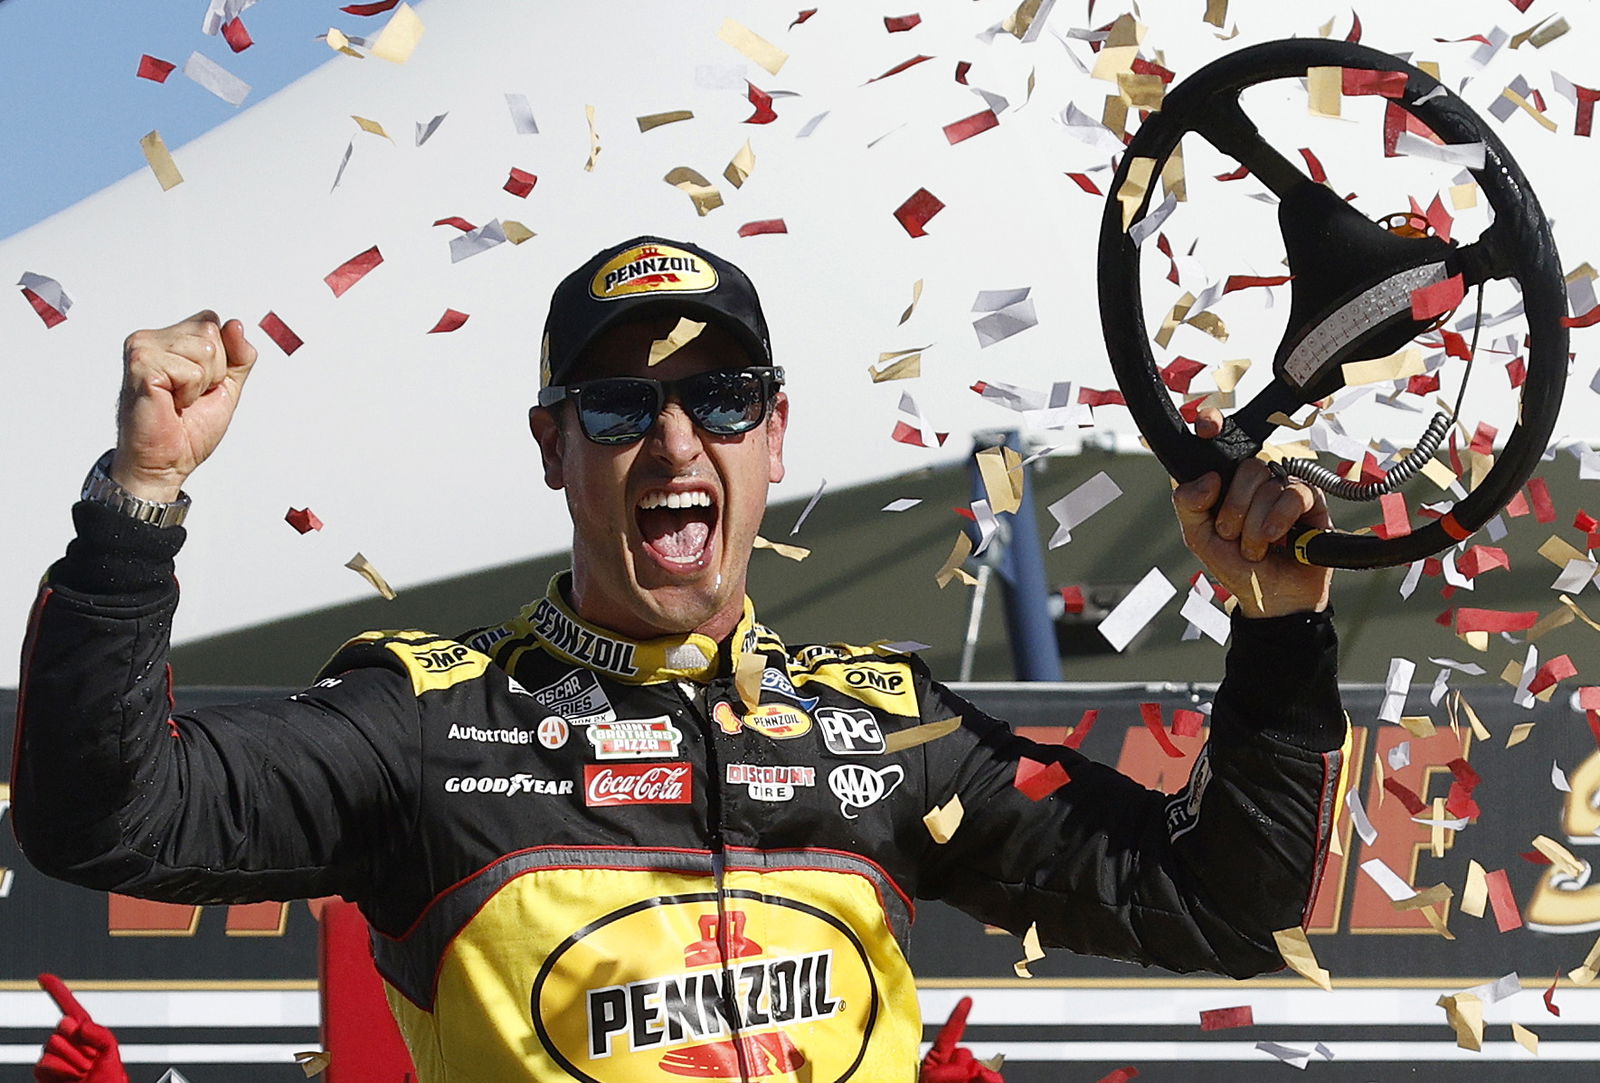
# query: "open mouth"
{"type": "Point", "coordinates": [676, 527]}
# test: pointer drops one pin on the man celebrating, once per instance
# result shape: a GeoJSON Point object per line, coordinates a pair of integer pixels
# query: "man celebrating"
{"type": "Point", "coordinates": [629, 833]}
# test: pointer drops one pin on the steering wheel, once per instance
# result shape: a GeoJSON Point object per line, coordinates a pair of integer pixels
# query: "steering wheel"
{"type": "Point", "coordinates": [1351, 286]}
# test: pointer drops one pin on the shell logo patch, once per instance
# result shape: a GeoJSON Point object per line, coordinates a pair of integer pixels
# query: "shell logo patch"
{"type": "Point", "coordinates": [784, 991]}
{"type": "Point", "coordinates": [652, 268]}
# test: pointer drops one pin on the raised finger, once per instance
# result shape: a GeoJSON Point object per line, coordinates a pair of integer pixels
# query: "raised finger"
{"type": "Point", "coordinates": [1208, 423]}
{"type": "Point", "coordinates": [1251, 475]}
{"type": "Point", "coordinates": [240, 354]}
{"type": "Point", "coordinates": [63, 997]}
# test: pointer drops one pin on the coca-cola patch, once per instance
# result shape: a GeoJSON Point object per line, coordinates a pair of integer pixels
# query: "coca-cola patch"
{"type": "Point", "coordinates": [609, 784]}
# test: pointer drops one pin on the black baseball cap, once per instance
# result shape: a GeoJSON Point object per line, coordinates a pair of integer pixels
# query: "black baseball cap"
{"type": "Point", "coordinates": [639, 277]}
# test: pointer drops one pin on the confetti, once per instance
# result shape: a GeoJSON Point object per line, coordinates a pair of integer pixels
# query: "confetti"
{"type": "Point", "coordinates": [952, 564]}
{"type": "Point", "coordinates": [964, 129]}
{"type": "Point", "coordinates": [363, 567]}
{"type": "Point", "coordinates": [521, 114]}
{"type": "Point", "coordinates": [1438, 299]}
{"type": "Point", "coordinates": [279, 333]}
{"type": "Point", "coordinates": [370, 9]}
{"type": "Point", "coordinates": [304, 520]}
{"type": "Point", "coordinates": [1504, 904]}
{"type": "Point", "coordinates": [371, 126]}
{"type": "Point", "coordinates": [236, 35]}
{"type": "Point", "coordinates": [47, 297]}
{"type": "Point", "coordinates": [1227, 1018]}
{"type": "Point", "coordinates": [1009, 312]}
{"type": "Point", "coordinates": [1492, 620]}
{"type": "Point", "coordinates": [155, 70]}
{"type": "Point", "coordinates": [1525, 1038]}
{"type": "Point", "coordinates": [902, 365]}
{"type": "Point", "coordinates": [683, 332]}
{"type": "Point", "coordinates": [594, 140]}
{"type": "Point", "coordinates": [911, 737]}
{"type": "Point", "coordinates": [700, 191]}
{"type": "Point", "coordinates": [1039, 780]}
{"type": "Point", "coordinates": [656, 120]}
{"type": "Point", "coordinates": [902, 504]}
{"type": "Point", "coordinates": [898, 68]}
{"type": "Point", "coordinates": [314, 1061]}
{"type": "Point", "coordinates": [942, 822]}
{"type": "Point", "coordinates": [450, 321]}
{"type": "Point", "coordinates": [752, 45]}
{"type": "Point", "coordinates": [896, 24]}
{"type": "Point", "coordinates": [1150, 715]}
{"type": "Point", "coordinates": [1031, 952]}
{"type": "Point", "coordinates": [425, 129]}
{"type": "Point", "coordinates": [478, 240]}
{"type": "Point", "coordinates": [352, 270]}
{"type": "Point", "coordinates": [915, 212]}
{"type": "Point", "coordinates": [806, 512]}
{"type": "Point", "coordinates": [1137, 608]}
{"type": "Point", "coordinates": [520, 182]}
{"type": "Point", "coordinates": [1002, 480]}
{"type": "Point", "coordinates": [215, 78]}
{"type": "Point", "coordinates": [795, 553]}
{"type": "Point", "coordinates": [1074, 509]}
{"type": "Point", "coordinates": [160, 159]}
{"type": "Point", "coordinates": [739, 169]}
{"type": "Point", "coordinates": [1297, 954]}
{"type": "Point", "coordinates": [399, 36]}
{"type": "Point", "coordinates": [1465, 1014]}
{"type": "Point", "coordinates": [1586, 974]}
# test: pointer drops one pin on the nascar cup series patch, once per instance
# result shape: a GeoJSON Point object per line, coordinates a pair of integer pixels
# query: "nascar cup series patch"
{"type": "Point", "coordinates": [652, 268]}
{"type": "Point", "coordinates": [649, 992]}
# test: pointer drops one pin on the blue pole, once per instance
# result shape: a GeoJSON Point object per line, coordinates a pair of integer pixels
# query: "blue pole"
{"type": "Point", "coordinates": [1018, 557]}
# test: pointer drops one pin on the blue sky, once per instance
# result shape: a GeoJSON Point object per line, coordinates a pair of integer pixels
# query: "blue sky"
{"type": "Point", "coordinates": [75, 110]}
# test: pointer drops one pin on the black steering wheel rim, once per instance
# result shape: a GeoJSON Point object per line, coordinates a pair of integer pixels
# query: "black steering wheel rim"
{"type": "Point", "coordinates": [1518, 245]}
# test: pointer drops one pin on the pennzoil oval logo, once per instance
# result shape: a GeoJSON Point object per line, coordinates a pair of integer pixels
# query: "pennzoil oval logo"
{"type": "Point", "coordinates": [657, 990]}
{"type": "Point", "coordinates": [652, 268]}
{"type": "Point", "coordinates": [779, 721]}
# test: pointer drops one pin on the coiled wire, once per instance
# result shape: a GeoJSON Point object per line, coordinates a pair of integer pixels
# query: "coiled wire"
{"type": "Point", "coordinates": [1314, 473]}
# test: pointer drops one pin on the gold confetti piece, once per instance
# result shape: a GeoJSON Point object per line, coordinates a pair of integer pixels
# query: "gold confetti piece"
{"type": "Point", "coordinates": [1586, 974]}
{"type": "Point", "coordinates": [1525, 1038]}
{"type": "Point", "coordinates": [1572, 605]}
{"type": "Point", "coordinates": [1545, 35]}
{"type": "Point", "coordinates": [952, 563]}
{"type": "Point", "coordinates": [1173, 180]}
{"type": "Point", "coordinates": [916, 295]}
{"type": "Point", "coordinates": [1475, 896]}
{"type": "Point", "coordinates": [739, 169]}
{"type": "Point", "coordinates": [1479, 731]}
{"type": "Point", "coordinates": [1419, 725]}
{"type": "Point", "coordinates": [1216, 13]}
{"type": "Point", "coordinates": [1465, 1013]}
{"type": "Point", "coordinates": [994, 1063]}
{"type": "Point", "coordinates": [1134, 187]}
{"type": "Point", "coordinates": [1463, 197]}
{"type": "Point", "coordinates": [1228, 374]}
{"type": "Point", "coordinates": [1113, 61]}
{"type": "Point", "coordinates": [1377, 778]}
{"type": "Point", "coordinates": [1031, 952]}
{"type": "Point", "coordinates": [1325, 29]}
{"type": "Point", "coordinates": [1115, 115]}
{"type": "Point", "coordinates": [683, 333]}
{"type": "Point", "coordinates": [752, 45]}
{"type": "Point", "coordinates": [793, 552]}
{"type": "Point", "coordinates": [1436, 837]}
{"type": "Point", "coordinates": [1518, 734]}
{"type": "Point", "coordinates": [370, 126]}
{"type": "Point", "coordinates": [1018, 23]}
{"type": "Point", "coordinates": [1126, 30]}
{"type": "Point", "coordinates": [1297, 954]}
{"type": "Point", "coordinates": [903, 365]}
{"type": "Point", "coordinates": [399, 36]}
{"type": "Point", "coordinates": [1408, 362]}
{"type": "Point", "coordinates": [1560, 552]}
{"type": "Point", "coordinates": [1559, 856]}
{"type": "Point", "coordinates": [1284, 420]}
{"type": "Point", "coordinates": [942, 822]}
{"type": "Point", "coordinates": [363, 567]}
{"type": "Point", "coordinates": [515, 231]}
{"type": "Point", "coordinates": [594, 153]}
{"type": "Point", "coordinates": [1003, 487]}
{"type": "Point", "coordinates": [1556, 618]}
{"type": "Point", "coordinates": [1142, 91]}
{"type": "Point", "coordinates": [1436, 895]}
{"type": "Point", "coordinates": [1325, 90]}
{"type": "Point", "coordinates": [340, 44]}
{"type": "Point", "coordinates": [900, 740]}
{"type": "Point", "coordinates": [656, 120]}
{"type": "Point", "coordinates": [1478, 641]}
{"type": "Point", "coordinates": [313, 1061]}
{"type": "Point", "coordinates": [1255, 589]}
{"type": "Point", "coordinates": [160, 159]}
{"type": "Point", "coordinates": [1211, 324]}
{"type": "Point", "coordinates": [706, 198]}
{"type": "Point", "coordinates": [1438, 473]}
{"type": "Point", "coordinates": [1527, 107]}
{"type": "Point", "coordinates": [747, 678]}
{"type": "Point", "coordinates": [1512, 673]}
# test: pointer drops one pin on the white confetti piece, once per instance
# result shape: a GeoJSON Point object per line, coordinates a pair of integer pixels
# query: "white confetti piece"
{"type": "Point", "coordinates": [1137, 609]}
{"type": "Point", "coordinates": [1009, 312]}
{"type": "Point", "coordinates": [425, 129]}
{"type": "Point", "coordinates": [521, 114]}
{"type": "Point", "coordinates": [215, 78]}
{"type": "Point", "coordinates": [1203, 616]}
{"type": "Point", "coordinates": [1080, 504]}
{"type": "Point", "coordinates": [1391, 883]}
{"type": "Point", "coordinates": [1358, 817]}
{"type": "Point", "coordinates": [905, 503]}
{"type": "Point", "coordinates": [816, 496]}
{"type": "Point", "coordinates": [479, 240]}
{"type": "Point", "coordinates": [1395, 688]}
{"type": "Point", "coordinates": [1558, 778]}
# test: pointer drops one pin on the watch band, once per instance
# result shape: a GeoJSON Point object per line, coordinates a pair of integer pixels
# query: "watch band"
{"type": "Point", "coordinates": [100, 488]}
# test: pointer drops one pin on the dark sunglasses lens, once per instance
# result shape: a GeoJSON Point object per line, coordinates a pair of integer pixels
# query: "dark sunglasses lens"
{"type": "Point", "coordinates": [617, 411]}
{"type": "Point", "coordinates": [725, 403]}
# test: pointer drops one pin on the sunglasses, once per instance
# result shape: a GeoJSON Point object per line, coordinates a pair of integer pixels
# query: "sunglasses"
{"type": "Point", "coordinates": [622, 409]}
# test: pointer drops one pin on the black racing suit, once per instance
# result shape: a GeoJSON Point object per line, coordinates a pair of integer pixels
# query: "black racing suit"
{"type": "Point", "coordinates": [589, 857]}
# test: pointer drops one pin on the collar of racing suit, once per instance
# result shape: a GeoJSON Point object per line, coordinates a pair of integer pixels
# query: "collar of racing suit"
{"type": "Point", "coordinates": [690, 657]}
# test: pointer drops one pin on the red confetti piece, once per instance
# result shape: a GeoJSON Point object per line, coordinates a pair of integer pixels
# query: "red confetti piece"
{"type": "Point", "coordinates": [798, 19]}
{"type": "Point", "coordinates": [1493, 620]}
{"type": "Point", "coordinates": [1550, 997]}
{"type": "Point", "coordinates": [1517, 371]}
{"type": "Point", "coordinates": [1517, 506]}
{"type": "Point", "coordinates": [1588, 319]}
{"type": "Point", "coordinates": [1456, 346]}
{"type": "Point", "coordinates": [1039, 780]}
{"type": "Point", "coordinates": [1439, 219]}
{"type": "Point", "coordinates": [450, 321]}
{"type": "Point", "coordinates": [1483, 439]}
{"type": "Point", "coordinates": [520, 183]}
{"type": "Point", "coordinates": [1522, 5]}
{"type": "Point", "coordinates": [1464, 773]}
{"type": "Point", "coordinates": [1585, 522]}
{"type": "Point", "coordinates": [1141, 66]}
{"type": "Point", "coordinates": [371, 9]}
{"type": "Point", "coordinates": [1084, 181]}
{"type": "Point", "coordinates": [1396, 519]}
{"type": "Point", "coordinates": [899, 23]}
{"type": "Point", "coordinates": [906, 434]}
{"type": "Point", "coordinates": [1187, 723]}
{"type": "Point", "coordinates": [1238, 174]}
{"type": "Point", "coordinates": [1072, 599]}
{"type": "Point", "coordinates": [456, 220]}
{"type": "Point", "coordinates": [1244, 282]}
{"type": "Point", "coordinates": [1121, 1075]}
{"type": "Point", "coordinates": [47, 312]}
{"type": "Point", "coordinates": [1506, 915]}
{"type": "Point", "coordinates": [279, 332]}
{"type": "Point", "coordinates": [762, 101]}
{"type": "Point", "coordinates": [1437, 299]}
{"type": "Point", "coordinates": [1318, 174]}
{"type": "Point", "coordinates": [1594, 724]}
{"type": "Point", "coordinates": [962, 67]}
{"type": "Point", "coordinates": [1180, 373]}
{"type": "Point", "coordinates": [1397, 120]}
{"type": "Point", "coordinates": [967, 127]}
{"type": "Point", "coordinates": [235, 34]}
{"type": "Point", "coordinates": [1091, 397]}
{"type": "Point", "coordinates": [1390, 84]}
{"type": "Point", "coordinates": [1151, 714]}
{"type": "Point", "coordinates": [352, 270]}
{"type": "Point", "coordinates": [304, 520]}
{"type": "Point", "coordinates": [1586, 99]}
{"type": "Point", "coordinates": [1227, 1018]}
{"type": "Point", "coordinates": [1544, 509]}
{"type": "Point", "coordinates": [1407, 797]}
{"type": "Point", "coordinates": [966, 513]}
{"type": "Point", "coordinates": [1424, 384]}
{"type": "Point", "coordinates": [1081, 730]}
{"type": "Point", "coordinates": [1482, 558]}
{"type": "Point", "coordinates": [913, 62]}
{"type": "Point", "coordinates": [1534, 857]}
{"type": "Point", "coordinates": [1354, 37]}
{"type": "Point", "coordinates": [914, 213]}
{"type": "Point", "coordinates": [1460, 803]}
{"type": "Point", "coordinates": [1553, 671]}
{"type": "Point", "coordinates": [154, 70]}
{"type": "Point", "coordinates": [763, 225]}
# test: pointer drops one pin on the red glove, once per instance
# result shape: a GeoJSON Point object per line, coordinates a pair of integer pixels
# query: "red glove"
{"type": "Point", "coordinates": [948, 1062]}
{"type": "Point", "coordinates": [81, 1050]}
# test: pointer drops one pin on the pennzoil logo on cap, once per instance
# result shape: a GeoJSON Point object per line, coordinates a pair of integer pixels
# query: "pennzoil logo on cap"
{"type": "Point", "coordinates": [652, 268]}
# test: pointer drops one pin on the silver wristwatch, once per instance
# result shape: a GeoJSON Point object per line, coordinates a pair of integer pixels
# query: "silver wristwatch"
{"type": "Point", "coordinates": [99, 488]}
